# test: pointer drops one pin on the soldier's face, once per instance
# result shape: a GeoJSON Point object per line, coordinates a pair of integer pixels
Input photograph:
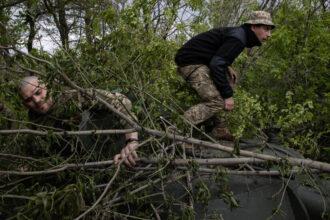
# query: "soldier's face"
{"type": "Point", "coordinates": [262, 32]}
{"type": "Point", "coordinates": [34, 97]}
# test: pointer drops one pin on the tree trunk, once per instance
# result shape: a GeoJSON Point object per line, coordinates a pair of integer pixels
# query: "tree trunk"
{"type": "Point", "coordinates": [59, 16]}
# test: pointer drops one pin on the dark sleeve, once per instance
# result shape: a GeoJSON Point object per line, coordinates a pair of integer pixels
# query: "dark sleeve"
{"type": "Point", "coordinates": [224, 57]}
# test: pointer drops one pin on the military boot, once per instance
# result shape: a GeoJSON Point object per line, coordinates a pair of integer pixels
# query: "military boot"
{"type": "Point", "coordinates": [220, 130]}
{"type": "Point", "coordinates": [222, 133]}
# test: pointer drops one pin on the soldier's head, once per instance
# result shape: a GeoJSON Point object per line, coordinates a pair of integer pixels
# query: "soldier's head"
{"type": "Point", "coordinates": [34, 93]}
{"type": "Point", "coordinates": [261, 24]}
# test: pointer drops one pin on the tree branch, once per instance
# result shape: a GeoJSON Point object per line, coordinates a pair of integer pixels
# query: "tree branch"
{"type": "Point", "coordinates": [67, 133]}
{"type": "Point", "coordinates": [294, 161]}
{"type": "Point", "coordinates": [247, 172]}
{"type": "Point", "coordinates": [17, 156]}
{"type": "Point", "coordinates": [111, 181]}
{"type": "Point", "coordinates": [181, 162]}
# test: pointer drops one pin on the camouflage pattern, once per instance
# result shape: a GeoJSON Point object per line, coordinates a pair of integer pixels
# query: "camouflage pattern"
{"type": "Point", "coordinates": [260, 17]}
{"type": "Point", "coordinates": [72, 111]}
{"type": "Point", "coordinates": [70, 106]}
{"type": "Point", "coordinates": [198, 76]}
{"type": "Point", "coordinates": [117, 100]}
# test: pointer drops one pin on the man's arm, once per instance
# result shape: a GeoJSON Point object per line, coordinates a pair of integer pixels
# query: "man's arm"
{"type": "Point", "coordinates": [124, 105]}
{"type": "Point", "coordinates": [117, 100]}
{"type": "Point", "coordinates": [131, 142]}
{"type": "Point", "coordinates": [225, 55]}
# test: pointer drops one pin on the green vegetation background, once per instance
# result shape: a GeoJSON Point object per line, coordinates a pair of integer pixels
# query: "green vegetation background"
{"type": "Point", "coordinates": [131, 48]}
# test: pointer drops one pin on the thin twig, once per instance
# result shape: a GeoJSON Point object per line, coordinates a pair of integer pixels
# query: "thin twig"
{"type": "Point", "coordinates": [247, 173]}
{"type": "Point", "coordinates": [18, 157]}
{"type": "Point", "coordinates": [136, 190]}
{"type": "Point", "coordinates": [155, 211]}
{"type": "Point", "coordinates": [282, 197]}
{"type": "Point", "coordinates": [111, 181]}
{"type": "Point", "coordinates": [188, 179]}
{"type": "Point", "coordinates": [15, 182]}
{"type": "Point", "coordinates": [15, 197]}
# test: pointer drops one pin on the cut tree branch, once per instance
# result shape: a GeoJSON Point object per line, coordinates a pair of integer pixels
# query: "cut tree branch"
{"type": "Point", "coordinates": [247, 172]}
{"type": "Point", "coordinates": [180, 162]}
{"type": "Point", "coordinates": [111, 181]}
{"type": "Point", "coordinates": [67, 133]}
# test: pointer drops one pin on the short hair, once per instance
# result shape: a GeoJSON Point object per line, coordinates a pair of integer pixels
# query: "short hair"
{"type": "Point", "coordinates": [26, 81]}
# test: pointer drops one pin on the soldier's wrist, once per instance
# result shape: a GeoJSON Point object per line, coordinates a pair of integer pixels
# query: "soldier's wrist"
{"type": "Point", "coordinates": [130, 140]}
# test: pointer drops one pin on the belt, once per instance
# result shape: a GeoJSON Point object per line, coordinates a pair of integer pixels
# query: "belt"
{"type": "Point", "coordinates": [187, 77]}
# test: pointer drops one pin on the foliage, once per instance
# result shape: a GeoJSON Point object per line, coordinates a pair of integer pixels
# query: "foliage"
{"type": "Point", "coordinates": [129, 46]}
{"type": "Point", "coordinates": [203, 193]}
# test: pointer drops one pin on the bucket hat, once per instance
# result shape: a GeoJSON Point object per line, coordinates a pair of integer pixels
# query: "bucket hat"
{"type": "Point", "coordinates": [260, 17]}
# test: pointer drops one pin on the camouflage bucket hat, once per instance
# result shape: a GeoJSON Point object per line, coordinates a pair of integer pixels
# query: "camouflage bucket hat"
{"type": "Point", "coordinates": [260, 17]}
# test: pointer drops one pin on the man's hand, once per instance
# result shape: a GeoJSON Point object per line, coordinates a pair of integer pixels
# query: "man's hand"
{"type": "Point", "coordinates": [129, 161]}
{"type": "Point", "coordinates": [229, 104]}
{"type": "Point", "coordinates": [232, 74]}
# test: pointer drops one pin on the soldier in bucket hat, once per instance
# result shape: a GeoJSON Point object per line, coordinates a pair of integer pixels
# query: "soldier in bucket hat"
{"type": "Point", "coordinates": [204, 62]}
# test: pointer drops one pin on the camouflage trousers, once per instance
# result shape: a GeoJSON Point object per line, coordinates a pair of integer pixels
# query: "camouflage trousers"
{"type": "Point", "coordinates": [198, 76]}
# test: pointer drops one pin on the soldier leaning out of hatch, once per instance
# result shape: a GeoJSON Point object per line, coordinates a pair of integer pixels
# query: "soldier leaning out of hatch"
{"type": "Point", "coordinates": [70, 110]}
{"type": "Point", "coordinates": [204, 62]}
